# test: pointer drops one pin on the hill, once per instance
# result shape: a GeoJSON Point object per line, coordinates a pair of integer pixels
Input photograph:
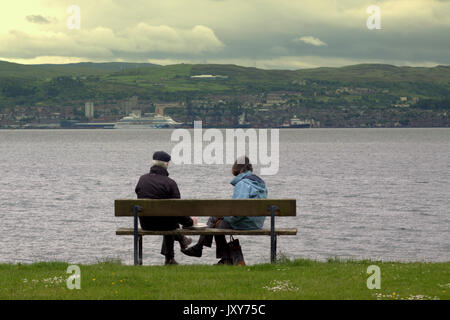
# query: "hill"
{"type": "Point", "coordinates": [369, 85]}
{"type": "Point", "coordinates": [39, 71]}
{"type": "Point", "coordinates": [378, 72]}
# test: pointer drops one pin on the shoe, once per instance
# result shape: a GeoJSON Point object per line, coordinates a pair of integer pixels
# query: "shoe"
{"type": "Point", "coordinates": [224, 261]}
{"type": "Point", "coordinates": [185, 242]}
{"type": "Point", "coordinates": [193, 251]}
{"type": "Point", "coordinates": [170, 261]}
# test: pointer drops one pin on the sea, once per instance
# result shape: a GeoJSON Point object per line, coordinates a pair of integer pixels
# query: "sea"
{"type": "Point", "coordinates": [380, 194]}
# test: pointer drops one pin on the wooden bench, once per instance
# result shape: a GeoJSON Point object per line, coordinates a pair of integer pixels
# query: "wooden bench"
{"type": "Point", "coordinates": [204, 207]}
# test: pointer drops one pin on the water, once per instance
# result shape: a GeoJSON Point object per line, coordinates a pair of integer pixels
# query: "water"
{"type": "Point", "coordinates": [361, 193]}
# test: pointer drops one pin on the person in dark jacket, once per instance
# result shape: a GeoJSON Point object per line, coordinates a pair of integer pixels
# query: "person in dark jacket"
{"type": "Point", "coordinates": [157, 185]}
{"type": "Point", "coordinates": [247, 185]}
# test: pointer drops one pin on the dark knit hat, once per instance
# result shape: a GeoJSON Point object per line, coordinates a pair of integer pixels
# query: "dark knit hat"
{"type": "Point", "coordinates": [161, 156]}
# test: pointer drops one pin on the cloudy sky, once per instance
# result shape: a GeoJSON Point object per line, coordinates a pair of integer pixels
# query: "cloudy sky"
{"type": "Point", "coordinates": [271, 34]}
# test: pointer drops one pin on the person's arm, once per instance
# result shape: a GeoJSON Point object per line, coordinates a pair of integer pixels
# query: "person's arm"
{"type": "Point", "coordinates": [175, 191]}
{"type": "Point", "coordinates": [138, 188]}
{"type": "Point", "coordinates": [186, 221]}
{"type": "Point", "coordinates": [241, 191]}
{"type": "Point", "coordinates": [175, 194]}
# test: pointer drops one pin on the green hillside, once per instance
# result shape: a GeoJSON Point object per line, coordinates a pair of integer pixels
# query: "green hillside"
{"type": "Point", "coordinates": [39, 71]}
{"type": "Point", "coordinates": [177, 78]}
{"type": "Point", "coordinates": [29, 84]}
{"type": "Point", "coordinates": [239, 74]}
{"type": "Point", "coordinates": [378, 72]}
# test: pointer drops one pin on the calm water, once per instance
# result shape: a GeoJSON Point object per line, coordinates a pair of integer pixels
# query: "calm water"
{"type": "Point", "coordinates": [361, 193]}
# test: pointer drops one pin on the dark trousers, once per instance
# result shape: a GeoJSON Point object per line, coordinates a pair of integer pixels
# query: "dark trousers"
{"type": "Point", "coordinates": [162, 224]}
{"type": "Point", "coordinates": [168, 244]}
{"type": "Point", "coordinates": [221, 242]}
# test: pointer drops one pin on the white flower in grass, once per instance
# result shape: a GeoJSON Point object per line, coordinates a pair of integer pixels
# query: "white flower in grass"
{"type": "Point", "coordinates": [281, 285]}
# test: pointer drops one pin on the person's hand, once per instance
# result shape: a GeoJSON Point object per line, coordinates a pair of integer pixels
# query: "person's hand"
{"type": "Point", "coordinates": [194, 219]}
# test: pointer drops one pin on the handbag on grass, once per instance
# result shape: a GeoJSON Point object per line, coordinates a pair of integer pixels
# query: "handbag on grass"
{"type": "Point", "coordinates": [235, 252]}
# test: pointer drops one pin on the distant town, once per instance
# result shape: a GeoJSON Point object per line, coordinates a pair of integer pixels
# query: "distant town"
{"type": "Point", "coordinates": [122, 95]}
{"type": "Point", "coordinates": [278, 109]}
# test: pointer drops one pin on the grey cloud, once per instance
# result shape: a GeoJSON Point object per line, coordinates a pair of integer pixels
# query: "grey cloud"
{"type": "Point", "coordinates": [37, 19]}
{"type": "Point", "coordinates": [139, 40]}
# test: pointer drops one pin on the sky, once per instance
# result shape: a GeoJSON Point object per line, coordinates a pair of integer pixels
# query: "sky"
{"type": "Point", "coordinates": [268, 34]}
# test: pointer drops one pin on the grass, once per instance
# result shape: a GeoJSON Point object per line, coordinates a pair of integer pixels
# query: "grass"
{"type": "Point", "coordinates": [298, 279]}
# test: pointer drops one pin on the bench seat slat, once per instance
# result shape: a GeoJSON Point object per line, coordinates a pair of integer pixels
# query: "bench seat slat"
{"type": "Point", "coordinates": [208, 231]}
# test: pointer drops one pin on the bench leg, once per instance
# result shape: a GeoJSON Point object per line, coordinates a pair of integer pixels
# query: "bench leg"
{"type": "Point", "coordinates": [273, 249]}
{"type": "Point", "coordinates": [136, 236]}
{"type": "Point", "coordinates": [273, 236]}
{"type": "Point", "coordinates": [140, 250]}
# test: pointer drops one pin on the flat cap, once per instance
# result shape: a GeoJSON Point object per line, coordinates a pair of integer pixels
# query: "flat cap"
{"type": "Point", "coordinates": [161, 156]}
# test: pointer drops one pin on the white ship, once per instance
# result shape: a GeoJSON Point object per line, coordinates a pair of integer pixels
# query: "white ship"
{"type": "Point", "coordinates": [243, 123]}
{"type": "Point", "coordinates": [149, 121]}
{"type": "Point", "coordinates": [297, 123]}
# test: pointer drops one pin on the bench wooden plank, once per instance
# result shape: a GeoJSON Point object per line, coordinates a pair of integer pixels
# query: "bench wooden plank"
{"type": "Point", "coordinates": [204, 207]}
{"type": "Point", "coordinates": [208, 231]}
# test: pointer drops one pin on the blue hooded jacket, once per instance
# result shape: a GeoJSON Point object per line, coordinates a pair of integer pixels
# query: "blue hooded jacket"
{"type": "Point", "coordinates": [247, 186]}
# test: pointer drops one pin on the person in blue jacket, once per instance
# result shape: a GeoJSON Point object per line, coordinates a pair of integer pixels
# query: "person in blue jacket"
{"type": "Point", "coordinates": [247, 185]}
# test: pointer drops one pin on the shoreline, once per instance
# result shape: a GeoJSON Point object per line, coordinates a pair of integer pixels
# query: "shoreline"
{"type": "Point", "coordinates": [207, 127]}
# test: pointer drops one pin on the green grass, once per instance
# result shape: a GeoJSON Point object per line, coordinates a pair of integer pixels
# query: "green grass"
{"type": "Point", "coordinates": [298, 279]}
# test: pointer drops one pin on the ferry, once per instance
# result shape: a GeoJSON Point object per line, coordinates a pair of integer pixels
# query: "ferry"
{"type": "Point", "coordinates": [297, 123]}
{"type": "Point", "coordinates": [149, 121]}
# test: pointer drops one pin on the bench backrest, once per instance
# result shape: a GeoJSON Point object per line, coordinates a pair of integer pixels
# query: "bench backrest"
{"type": "Point", "coordinates": [204, 207]}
